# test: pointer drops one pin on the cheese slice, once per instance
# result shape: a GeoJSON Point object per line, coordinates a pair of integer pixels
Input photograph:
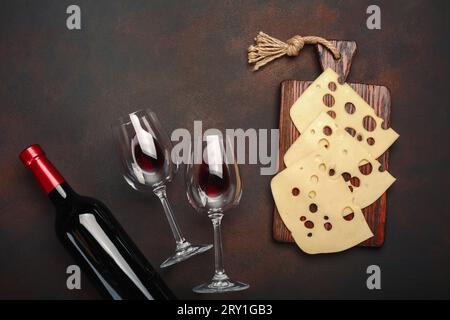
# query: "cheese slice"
{"type": "Point", "coordinates": [351, 112]}
{"type": "Point", "coordinates": [343, 156]}
{"type": "Point", "coordinates": [317, 208]}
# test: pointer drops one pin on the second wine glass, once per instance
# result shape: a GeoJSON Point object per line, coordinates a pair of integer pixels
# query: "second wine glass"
{"type": "Point", "coordinates": [145, 151]}
{"type": "Point", "coordinates": [213, 186]}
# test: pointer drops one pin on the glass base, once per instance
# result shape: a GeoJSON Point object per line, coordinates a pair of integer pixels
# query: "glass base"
{"type": "Point", "coordinates": [185, 251]}
{"type": "Point", "coordinates": [218, 285]}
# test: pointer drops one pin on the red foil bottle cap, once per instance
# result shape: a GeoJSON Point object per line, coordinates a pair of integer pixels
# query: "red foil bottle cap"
{"type": "Point", "coordinates": [31, 153]}
{"type": "Point", "coordinates": [45, 173]}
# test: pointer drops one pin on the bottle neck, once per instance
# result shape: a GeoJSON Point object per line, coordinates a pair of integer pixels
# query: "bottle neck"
{"type": "Point", "coordinates": [62, 195]}
{"type": "Point", "coordinates": [50, 180]}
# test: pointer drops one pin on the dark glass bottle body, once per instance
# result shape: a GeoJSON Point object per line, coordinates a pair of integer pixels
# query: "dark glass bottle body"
{"type": "Point", "coordinates": [92, 235]}
{"type": "Point", "coordinates": [102, 248]}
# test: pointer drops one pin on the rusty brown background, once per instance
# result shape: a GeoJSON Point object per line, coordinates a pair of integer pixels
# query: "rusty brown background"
{"type": "Point", "coordinates": [187, 61]}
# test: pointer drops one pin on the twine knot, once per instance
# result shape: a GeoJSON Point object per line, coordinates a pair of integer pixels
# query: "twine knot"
{"type": "Point", "coordinates": [267, 48]}
{"type": "Point", "coordinates": [295, 44]}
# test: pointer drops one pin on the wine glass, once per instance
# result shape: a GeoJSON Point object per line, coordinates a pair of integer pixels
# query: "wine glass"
{"type": "Point", "coordinates": [145, 151]}
{"type": "Point", "coordinates": [213, 185]}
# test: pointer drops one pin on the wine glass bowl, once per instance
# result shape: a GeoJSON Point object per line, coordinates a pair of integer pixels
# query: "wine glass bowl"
{"type": "Point", "coordinates": [145, 153]}
{"type": "Point", "coordinates": [144, 149]}
{"type": "Point", "coordinates": [213, 185]}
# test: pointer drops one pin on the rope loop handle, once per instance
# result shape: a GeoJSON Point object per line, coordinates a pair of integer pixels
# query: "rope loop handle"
{"type": "Point", "coordinates": [268, 48]}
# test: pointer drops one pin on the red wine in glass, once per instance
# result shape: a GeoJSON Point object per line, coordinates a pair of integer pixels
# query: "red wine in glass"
{"type": "Point", "coordinates": [213, 183]}
{"type": "Point", "coordinates": [150, 163]}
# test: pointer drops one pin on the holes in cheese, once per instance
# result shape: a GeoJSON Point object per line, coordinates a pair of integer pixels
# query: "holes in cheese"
{"type": "Point", "coordinates": [348, 214]}
{"type": "Point", "coordinates": [327, 131]}
{"type": "Point", "coordinates": [328, 100]}
{"type": "Point", "coordinates": [295, 191]}
{"type": "Point", "coordinates": [332, 114]}
{"type": "Point", "coordinates": [349, 109]}
{"type": "Point", "coordinates": [365, 167]}
{"type": "Point", "coordinates": [322, 167]}
{"type": "Point", "coordinates": [323, 143]}
{"type": "Point", "coordinates": [346, 176]}
{"type": "Point", "coordinates": [309, 224]}
{"type": "Point", "coordinates": [345, 156]}
{"type": "Point", "coordinates": [332, 86]}
{"type": "Point", "coordinates": [369, 123]}
{"type": "Point", "coordinates": [318, 225]}
{"type": "Point", "coordinates": [313, 207]}
{"type": "Point", "coordinates": [351, 131]}
{"type": "Point", "coordinates": [355, 181]}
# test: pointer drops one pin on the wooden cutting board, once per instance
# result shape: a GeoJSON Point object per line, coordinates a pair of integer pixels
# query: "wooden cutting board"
{"type": "Point", "coordinates": [378, 97]}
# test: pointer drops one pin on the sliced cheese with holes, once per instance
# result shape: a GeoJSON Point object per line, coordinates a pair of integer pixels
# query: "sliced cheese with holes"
{"type": "Point", "coordinates": [343, 156]}
{"type": "Point", "coordinates": [318, 209]}
{"type": "Point", "coordinates": [357, 117]}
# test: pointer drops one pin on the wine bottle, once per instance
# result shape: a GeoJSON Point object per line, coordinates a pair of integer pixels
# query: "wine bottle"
{"type": "Point", "coordinates": [92, 235]}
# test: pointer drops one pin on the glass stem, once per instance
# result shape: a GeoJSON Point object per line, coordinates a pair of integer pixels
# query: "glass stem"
{"type": "Point", "coordinates": [161, 193]}
{"type": "Point", "coordinates": [219, 271]}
